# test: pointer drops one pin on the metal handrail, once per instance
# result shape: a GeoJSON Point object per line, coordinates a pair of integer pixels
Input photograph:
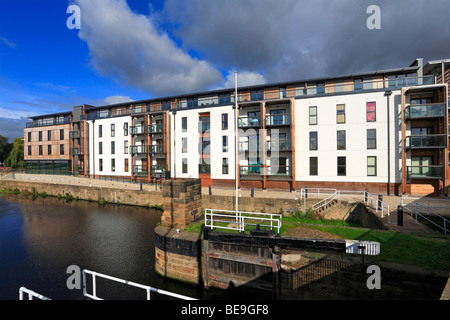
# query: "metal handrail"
{"type": "Point", "coordinates": [133, 284]}
{"type": "Point", "coordinates": [325, 201]}
{"type": "Point", "coordinates": [240, 219]}
{"type": "Point", "coordinates": [429, 212]}
{"type": "Point", "coordinates": [31, 294]}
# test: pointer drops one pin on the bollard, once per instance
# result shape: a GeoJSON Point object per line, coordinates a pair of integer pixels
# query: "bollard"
{"type": "Point", "coordinates": [252, 194]}
{"type": "Point", "coordinates": [140, 187]}
{"type": "Point", "coordinates": [210, 192]}
{"type": "Point", "coordinates": [306, 192]}
{"type": "Point", "coordinates": [366, 195]}
{"type": "Point", "coordinates": [400, 216]}
{"type": "Point", "coordinates": [380, 200]}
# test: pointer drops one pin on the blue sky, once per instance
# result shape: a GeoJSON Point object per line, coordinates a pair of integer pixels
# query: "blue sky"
{"type": "Point", "coordinates": [139, 49]}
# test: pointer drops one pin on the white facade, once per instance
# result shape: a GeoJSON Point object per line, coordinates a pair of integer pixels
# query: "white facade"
{"type": "Point", "coordinates": [102, 159]}
{"type": "Point", "coordinates": [190, 153]}
{"type": "Point", "coordinates": [355, 127]}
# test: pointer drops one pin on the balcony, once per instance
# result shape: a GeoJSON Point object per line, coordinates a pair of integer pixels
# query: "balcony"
{"type": "Point", "coordinates": [254, 170]}
{"type": "Point", "coordinates": [155, 128]}
{"type": "Point", "coordinates": [135, 130]}
{"type": "Point", "coordinates": [47, 122]}
{"type": "Point", "coordinates": [421, 111]}
{"type": "Point", "coordinates": [142, 149]}
{"type": "Point", "coordinates": [432, 141]}
{"type": "Point", "coordinates": [74, 151]}
{"type": "Point", "coordinates": [155, 169]}
{"type": "Point", "coordinates": [425, 172]}
{"type": "Point", "coordinates": [249, 122]}
{"type": "Point", "coordinates": [278, 120]}
{"type": "Point", "coordinates": [74, 135]}
{"type": "Point", "coordinates": [157, 148]}
{"type": "Point", "coordinates": [283, 171]}
{"type": "Point", "coordinates": [139, 170]}
{"type": "Point", "coordinates": [280, 145]}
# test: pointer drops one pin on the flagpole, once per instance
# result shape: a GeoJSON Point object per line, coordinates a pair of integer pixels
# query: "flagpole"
{"type": "Point", "coordinates": [236, 141]}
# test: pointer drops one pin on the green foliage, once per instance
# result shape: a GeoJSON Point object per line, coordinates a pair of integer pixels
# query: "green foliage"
{"type": "Point", "coordinates": [5, 148]}
{"type": "Point", "coordinates": [15, 158]}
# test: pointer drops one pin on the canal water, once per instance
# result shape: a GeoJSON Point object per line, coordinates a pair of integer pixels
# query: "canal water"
{"type": "Point", "coordinates": [40, 238]}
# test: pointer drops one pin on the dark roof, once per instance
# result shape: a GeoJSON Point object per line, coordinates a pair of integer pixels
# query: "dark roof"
{"type": "Point", "coordinates": [51, 115]}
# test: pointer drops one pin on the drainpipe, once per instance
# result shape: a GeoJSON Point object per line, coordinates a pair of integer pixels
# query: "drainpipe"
{"type": "Point", "coordinates": [93, 146]}
{"type": "Point", "coordinates": [387, 94]}
{"type": "Point", "coordinates": [174, 112]}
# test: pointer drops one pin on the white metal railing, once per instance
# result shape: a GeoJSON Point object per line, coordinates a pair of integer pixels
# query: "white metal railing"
{"type": "Point", "coordinates": [31, 294]}
{"type": "Point", "coordinates": [378, 204]}
{"type": "Point", "coordinates": [232, 220]}
{"type": "Point", "coordinates": [415, 208]}
{"type": "Point", "coordinates": [148, 289]}
{"type": "Point", "coordinates": [325, 201]}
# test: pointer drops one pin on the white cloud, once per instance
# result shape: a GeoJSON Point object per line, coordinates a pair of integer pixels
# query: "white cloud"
{"type": "Point", "coordinates": [117, 99]}
{"type": "Point", "coordinates": [244, 78]}
{"type": "Point", "coordinates": [130, 48]}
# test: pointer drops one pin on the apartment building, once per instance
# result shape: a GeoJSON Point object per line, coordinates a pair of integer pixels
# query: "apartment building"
{"type": "Point", "coordinates": [47, 144]}
{"type": "Point", "coordinates": [386, 131]}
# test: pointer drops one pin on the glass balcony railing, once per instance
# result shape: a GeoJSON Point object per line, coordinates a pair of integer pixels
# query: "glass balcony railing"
{"type": "Point", "coordinates": [204, 168]}
{"type": "Point", "coordinates": [74, 151]}
{"type": "Point", "coordinates": [139, 149]}
{"type": "Point", "coordinates": [419, 111]}
{"type": "Point", "coordinates": [425, 172]}
{"type": "Point", "coordinates": [248, 146]}
{"type": "Point", "coordinates": [278, 120]}
{"type": "Point", "coordinates": [248, 122]}
{"type": "Point", "coordinates": [280, 145]}
{"type": "Point", "coordinates": [157, 148]}
{"type": "Point", "coordinates": [278, 170]}
{"type": "Point", "coordinates": [74, 135]}
{"type": "Point", "coordinates": [155, 128]}
{"type": "Point", "coordinates": [140, 170]}
{"type": "Point", "coordinates": [47, 122]}
{"type": "Point", "coordinates": [137, 130]}
{"type": "Point", "coordinates": [254, 170]}
{"type": "Point", "coordinates": [426, 141]}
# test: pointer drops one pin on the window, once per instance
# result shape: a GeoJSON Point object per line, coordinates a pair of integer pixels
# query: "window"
{"type": "Point", "coordinates": [184, 165]}
{"type": "Point", "coordinates": [340, 113]}
{"type": "Point", "coordinates": [29, 136]}
{"type": "Point", "coordinates": [192, 102]}
{"type": "Point", "coordinates": [125, 129]}
{"type": "Point", "coordinates": [40, 135]}
{"type": "Point", "coordinates": [321, 88]}
{"type": "Point", "coordinates": [224, 165]}
{"type": "Point", "coordinates": [184, 145]}
{"type": "Point", "coordinates": [61, 149]}
{"type": "Point", "coordinates": [125, 147]}
{"type": "Point", "coordinates": [184, 124]}
{"type": "Point", "coordinates": [312, 116]}
{"type": "Point", "coordinates": [256, 95]}
{"type": "Point", "coordinates": [224, 143]}
{"type": "Point", "coordinates": [29, 150]}
{"type": "Point", "coordinates": [357, 85]}
{"type": "Point", "coordinates": [282, 92]}
{"type": "Point", "coordinates": [341, 166]}
{"type": "Point", "coordinates": [113, 147]}
{"type": "Point", "coordinates": [40, 150]}
{"type": "Point", "coordinates": [100, 147]}
{"type": "Point", "coordinates": [313, 140]}
{"type": "Point", "coordinates": [100, 164]}
{"type": "Point", "coordinates": [420, 165]}
{"type": "Point", "coordinates": [126, 165]}
{"type": "Point", "coordinates": [371, 166]}
{"type": "Point", "coordinates": [341, 140]}
{"type": "Point", "coordinates": [49, 149]}
{"type": "Point", "coordinates": [371, 138]}
{"type": "Point", "coordinates": [225, 98]}
{"type": "Point", "coordinates": [61, 134]}
{"type": "Point", "coordinates": [313, 166]}
{"type": "Point", "coordinates": [371, 112]}
{"type": "Point", "coordinates": [165, 105]}
{"type": "Point", "coordinates": [113, 165]}
{"type": "Point", "coordinates": [113, 130]}
{"type": "Point", "coordinates": [204, 168]}
{"type": "Point", "coordinates": [49, 135]}
{"type": "Point", "coordinates": [100, 131]}
{"type": "Point", "coordinates": [224, 121]}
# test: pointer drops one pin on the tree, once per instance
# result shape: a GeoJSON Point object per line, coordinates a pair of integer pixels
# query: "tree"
{"type": "Point", "coordinates": [5, 148]}
{"type": "Point", "coordinates": [16, 156]}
